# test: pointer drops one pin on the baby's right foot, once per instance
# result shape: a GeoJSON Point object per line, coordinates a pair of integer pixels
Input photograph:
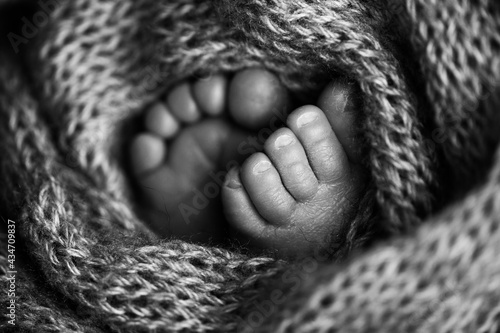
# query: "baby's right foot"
{"type": "Point", "coordinates": [301, 193]}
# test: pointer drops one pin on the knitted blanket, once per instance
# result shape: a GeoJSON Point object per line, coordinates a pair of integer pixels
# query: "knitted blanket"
{"type": "Point", "coordinates": [420, 256]}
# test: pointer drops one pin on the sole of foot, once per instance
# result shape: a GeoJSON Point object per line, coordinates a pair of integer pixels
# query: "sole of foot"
{"type": "Point", "coordinates": [190, 141]}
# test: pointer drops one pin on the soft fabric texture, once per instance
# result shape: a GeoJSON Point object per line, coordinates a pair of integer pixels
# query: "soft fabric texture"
{"type": "Point", "coordinates": [423, 251]}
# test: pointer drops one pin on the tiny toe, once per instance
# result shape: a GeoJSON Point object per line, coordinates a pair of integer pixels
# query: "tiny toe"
{"type": "Point", "coordinates": [264, 187]}
{"type": "Point", "coordinates": [239, 208]}
{"type": "Point", "coordinates": [255, 96]}
{"type": "Point", "coordinates": [287, 154]}
{"type": "Point", "coordinates": [160, 121]}
{"type": "Point", "coordinates": [340, 100]}
{"type": "Point", "coordinates": [324, 152]}
{"type": "Point", "coordinates": [210, 94]}
{"type": "Point", "coordinates": [147, 151]}
{"type": "Point", "coordinates": [181, 103]}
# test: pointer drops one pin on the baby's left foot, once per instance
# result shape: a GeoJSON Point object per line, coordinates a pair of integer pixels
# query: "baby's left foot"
{"type": "Point", "coordinates": [300, 194]}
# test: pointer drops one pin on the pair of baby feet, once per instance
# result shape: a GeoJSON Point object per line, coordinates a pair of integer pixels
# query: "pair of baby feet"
{"type": "Point", "coordinates": [286, 181]}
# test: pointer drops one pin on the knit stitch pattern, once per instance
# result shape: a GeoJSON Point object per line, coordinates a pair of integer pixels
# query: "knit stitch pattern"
{"type": "Point", "coordinates": [422, 251]}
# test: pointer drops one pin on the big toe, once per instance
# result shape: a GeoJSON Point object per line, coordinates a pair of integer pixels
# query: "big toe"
{"type": "Point", "coordinates": [341, 102]}
{"type": "Point", "coordinates": [255, 96]}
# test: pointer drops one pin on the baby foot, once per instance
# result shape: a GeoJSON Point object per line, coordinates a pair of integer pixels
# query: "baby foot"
{"type": "Point", "coordinates": [191, 141]}
{"type": "Point", "coordinates": [300, 193]}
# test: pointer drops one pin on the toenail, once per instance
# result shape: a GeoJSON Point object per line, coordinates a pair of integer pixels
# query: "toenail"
{"type": "Point", "coordinates": [306, 118]}
{"type": "Point", "coordinates": [262, 167]}
{"type": "Point", "coordinates": [233, 184]}
{"type": "Point", "coordinates": [283, 141]}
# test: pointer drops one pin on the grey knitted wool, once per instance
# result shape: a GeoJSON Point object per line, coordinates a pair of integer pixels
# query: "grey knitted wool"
{"type": "Point", "coordinates": [428, 72]}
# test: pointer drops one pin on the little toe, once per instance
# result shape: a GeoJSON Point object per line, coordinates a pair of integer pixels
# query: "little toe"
{"type": "Point", "coordinates": [181, 103]}
{"type": "Point", "coordinates": [324, 152]}
{"type": "Point", "coordinates": [160, 121]}
{"type": "Point", "coordinates": [340, 100]}
{"type": "Point", "coordinates": [264, 187]}
{"type": "Point", "coordinates": [147, 152]}
{"type": "Point", "coordinates": [255, 96]}
{"type": "Point", "coordinates": [239, 208]}
{"type": "Point", "coordinates": [211, 93]}
{"type": "Point", "coordinates": [287, 154]}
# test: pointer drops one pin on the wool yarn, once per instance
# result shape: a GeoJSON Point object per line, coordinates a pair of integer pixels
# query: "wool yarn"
{"type": "Point", "coordinates": [422, 252]}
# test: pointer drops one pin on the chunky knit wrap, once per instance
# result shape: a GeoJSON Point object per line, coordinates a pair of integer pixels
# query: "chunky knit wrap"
{"type": "Point", "coordinates": [423, 252]}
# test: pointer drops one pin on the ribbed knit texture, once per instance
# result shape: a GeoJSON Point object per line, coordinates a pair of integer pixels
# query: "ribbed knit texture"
{"type": "Point", "coordinates": [428, 71]}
